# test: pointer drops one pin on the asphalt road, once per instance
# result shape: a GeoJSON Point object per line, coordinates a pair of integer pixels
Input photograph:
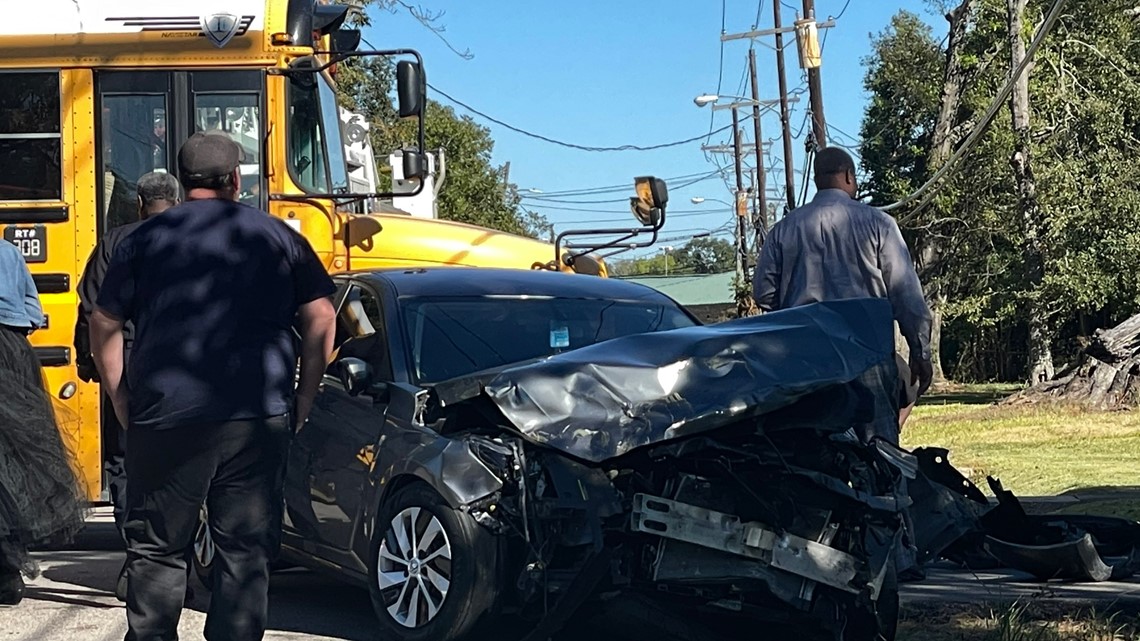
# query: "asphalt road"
{"type": "Point", "coordinates": [73, 600]}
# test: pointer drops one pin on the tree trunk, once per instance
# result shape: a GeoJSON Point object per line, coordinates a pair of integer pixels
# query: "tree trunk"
{"type": "Point", "coordinates": [930, 257]}
{"type": "Point", "coordinates": [1107, 376]}
{"type": "Point", "coordinates": [1040, 364]}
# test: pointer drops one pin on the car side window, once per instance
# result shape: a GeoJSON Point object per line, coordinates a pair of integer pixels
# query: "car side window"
{"type": "Point", "coordinates": [360, 331]}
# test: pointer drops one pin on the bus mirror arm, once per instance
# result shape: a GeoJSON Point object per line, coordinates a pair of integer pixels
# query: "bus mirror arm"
{"type": "Point", "coordinates": [649, 209]}
{"type": "Point", "coordinates": [412, 91]}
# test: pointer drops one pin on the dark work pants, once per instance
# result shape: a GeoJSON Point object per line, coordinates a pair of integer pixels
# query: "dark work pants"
{"type": "Point", "coordinates": [237, 469]}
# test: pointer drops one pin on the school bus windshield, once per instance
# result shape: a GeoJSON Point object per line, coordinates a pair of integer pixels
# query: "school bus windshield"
{"type": "Point", "coordinates": [316, 151]}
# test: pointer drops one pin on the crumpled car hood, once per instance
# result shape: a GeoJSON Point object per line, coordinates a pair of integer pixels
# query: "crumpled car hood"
{"type": "Point", "coordinates": [605, 400]}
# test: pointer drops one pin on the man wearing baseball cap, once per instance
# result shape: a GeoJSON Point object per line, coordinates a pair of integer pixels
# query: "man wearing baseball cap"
{"type": "Point", "coordinates": [213, 288]}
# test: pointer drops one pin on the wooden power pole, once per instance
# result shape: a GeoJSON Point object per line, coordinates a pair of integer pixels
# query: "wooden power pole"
{"type": "Point", "coordinates": [741, 209]}
{"type": "Point", "coordinates": [789, 163]}
{"type": "Point", "coordinates": [815, 90]}
{"type": "Point", "coordinates": [760, 217]}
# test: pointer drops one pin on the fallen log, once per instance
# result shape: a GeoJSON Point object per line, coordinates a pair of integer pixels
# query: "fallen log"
{"type": "Point", "coordinates": [1105, 377]}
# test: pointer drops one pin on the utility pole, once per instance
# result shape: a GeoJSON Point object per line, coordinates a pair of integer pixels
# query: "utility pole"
{"type": "Point", "coordinates": [760, 218]}
{"type": "Point", "coordinates": [789, 180]}
{"type": "Point", "coordinates": [815, 87]}
{"type": "Point", "coordinates": [741, 206]}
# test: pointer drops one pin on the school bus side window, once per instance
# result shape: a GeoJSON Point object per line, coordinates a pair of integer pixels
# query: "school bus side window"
{"type": "Point", "coordinates": [30, 136]}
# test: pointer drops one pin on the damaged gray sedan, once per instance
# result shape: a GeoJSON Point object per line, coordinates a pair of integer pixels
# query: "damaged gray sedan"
{"type": "Point", "coordinates": [494, 445]}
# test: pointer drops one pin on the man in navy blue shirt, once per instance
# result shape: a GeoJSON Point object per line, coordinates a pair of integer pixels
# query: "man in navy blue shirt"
{"type": "Point", "coordinates": [213, 288]}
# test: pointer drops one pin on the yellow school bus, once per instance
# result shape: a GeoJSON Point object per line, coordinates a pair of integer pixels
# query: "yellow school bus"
{"type": "Point", "coordinates": [96, 93]}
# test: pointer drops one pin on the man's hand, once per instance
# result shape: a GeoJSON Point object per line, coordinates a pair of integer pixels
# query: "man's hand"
{"type": "Point", "coordinates": [303, 408]}
{"type": "Point", "coordinates": [921, 373]}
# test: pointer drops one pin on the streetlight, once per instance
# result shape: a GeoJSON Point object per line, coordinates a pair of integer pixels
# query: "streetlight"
{"type": "Point", "coordinates": [532, 190]}
{"type": "Point", "coordinates": [738, 101]}
{"type": "Point", "coordinates": [696, 200]}
{"type": "Point", "coordinates": [667, 249]}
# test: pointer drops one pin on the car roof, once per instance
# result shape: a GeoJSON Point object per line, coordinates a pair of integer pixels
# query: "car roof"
{"type": "Point", "coordinates": [486, 281]}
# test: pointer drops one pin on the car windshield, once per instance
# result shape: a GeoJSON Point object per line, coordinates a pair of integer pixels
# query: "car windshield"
{"type": "Point", "coordinates": [452, 337]}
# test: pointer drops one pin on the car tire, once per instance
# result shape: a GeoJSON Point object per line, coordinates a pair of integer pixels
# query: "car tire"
{"type": "Point", "coordinates": [432, 575]}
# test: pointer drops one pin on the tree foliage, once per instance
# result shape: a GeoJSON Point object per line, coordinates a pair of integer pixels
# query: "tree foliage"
{"type": "Point", "coordinates": [698, 256]}
{"type": "Point", "coordinates": [1085, 129]}
{"type": "Point", "coordinates": [475, 190]}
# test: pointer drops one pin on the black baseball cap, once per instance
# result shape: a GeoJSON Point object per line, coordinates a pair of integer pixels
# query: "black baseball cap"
{"type": "Point", "coordinates": [207, 155]}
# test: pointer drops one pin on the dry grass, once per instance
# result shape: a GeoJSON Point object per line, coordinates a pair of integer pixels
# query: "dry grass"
{"type": "Point", "coordinates": [1033, 449]}
{"type": "Point", "coordinates": [1017, 622]}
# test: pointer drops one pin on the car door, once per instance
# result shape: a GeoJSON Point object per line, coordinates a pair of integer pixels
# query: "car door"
{"type": "Point", "coordinates": [334, 451]}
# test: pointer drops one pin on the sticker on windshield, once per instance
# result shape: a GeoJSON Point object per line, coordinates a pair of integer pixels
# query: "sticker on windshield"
{"type": "Point", "coordinates": [559, 336]}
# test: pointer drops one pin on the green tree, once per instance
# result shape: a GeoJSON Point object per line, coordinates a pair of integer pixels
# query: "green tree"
{"type": "Point", "coordinates": [698, 256]}
{"type": "Point", "coordinates": [1084, 129]}
{"type": "Point", "coordinates": [475, 190]}
{"type": "Point", "coordinates": [705, 256]}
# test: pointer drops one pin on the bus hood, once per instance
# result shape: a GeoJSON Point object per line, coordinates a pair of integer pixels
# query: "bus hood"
{"type": "Point", "coordinates": [394, 240]}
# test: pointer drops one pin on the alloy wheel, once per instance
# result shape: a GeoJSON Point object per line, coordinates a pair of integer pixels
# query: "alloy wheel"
{"type": "Point", "coordinates": [414, 567]}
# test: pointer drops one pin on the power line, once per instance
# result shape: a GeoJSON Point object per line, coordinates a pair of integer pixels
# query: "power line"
{"type": "Point", "coordinates": [720, 71]}
{"type": "Point", "coordinates": [987, 118]}
{"type": "Point", "coordinates": [684, 213]}
{"type": "Point", "coordinates": [690, 179]}
{"type": "Point", "coordinates": [676, 143]}
{"type": "Point", "coordinates": [589, 191]}
{"type": "Point", "coordinates": [843, 10]}
{"type": "Point", "coordinates": [853, 149]}
{"type": "Point", "coordinates": [543, 198]}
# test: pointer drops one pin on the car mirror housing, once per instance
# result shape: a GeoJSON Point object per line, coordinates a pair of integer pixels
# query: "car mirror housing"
{"type": "Point", "coordinates": [354, 374]}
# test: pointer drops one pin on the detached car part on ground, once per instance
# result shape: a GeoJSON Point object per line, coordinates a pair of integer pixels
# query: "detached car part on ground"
{"type": "Point", "coordinates": [717, 471]}
{"type": "Point", "coordinates": [955, 520]}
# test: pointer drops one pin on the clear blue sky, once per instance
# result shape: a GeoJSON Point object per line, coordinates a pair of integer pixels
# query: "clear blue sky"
{"type": "Point", "coordinates": [612, 73]}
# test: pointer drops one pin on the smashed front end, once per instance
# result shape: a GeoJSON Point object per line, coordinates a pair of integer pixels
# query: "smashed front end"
{"type": "Point", "coordinates": [727, 467]}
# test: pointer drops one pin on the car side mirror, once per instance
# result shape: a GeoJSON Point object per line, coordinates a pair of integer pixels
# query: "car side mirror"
{"type": "Point", "coordinates": [354, 374]}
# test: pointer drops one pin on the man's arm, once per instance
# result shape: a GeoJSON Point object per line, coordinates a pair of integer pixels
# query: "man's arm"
{"type": "Point", "coordinates": [318, 329]}
{"type": "Point", "coordinates": [766, 279]}
{"type": "Point", "coordinates": [907, 300]}
{"type": "Point", "coordinates": [88, 291]}
{"type": "Point", "coordinates": [114, 305]}
{"type": "Point", "coordinates": [107, 349]}
{"type": "Point", "coordinates": [32, 305]}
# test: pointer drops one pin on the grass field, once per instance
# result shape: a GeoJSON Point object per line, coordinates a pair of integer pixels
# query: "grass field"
{"type": "Point", "coordinates": [1018, 622]}
{"type": "Point", "coordinates": [1034, 449]}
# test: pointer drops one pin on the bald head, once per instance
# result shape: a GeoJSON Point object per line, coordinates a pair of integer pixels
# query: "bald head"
{"type": "Point", "coordinates": [834, 169]}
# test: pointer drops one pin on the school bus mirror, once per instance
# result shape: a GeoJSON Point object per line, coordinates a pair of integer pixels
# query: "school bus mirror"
{"type": "Point", "coordinates": [649, 204]}
{"type": "Point", "coordinates": [327, 18]}
{"type": "Point", "coordinates": [414, 165]}
{"type": "Point", "coordinates": [410, 89]}
{"type": "Point", "coordinates": [344, 40]}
